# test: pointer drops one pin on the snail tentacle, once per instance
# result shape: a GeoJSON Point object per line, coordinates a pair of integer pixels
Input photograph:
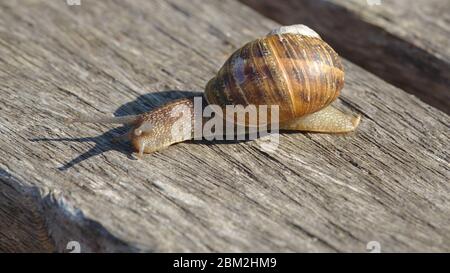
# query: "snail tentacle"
{"type": "Point", "coordinates": [130, 119]}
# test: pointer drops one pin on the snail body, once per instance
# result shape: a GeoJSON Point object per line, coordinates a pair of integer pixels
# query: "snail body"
{"type": "Point", "coordinates": [291, 67]}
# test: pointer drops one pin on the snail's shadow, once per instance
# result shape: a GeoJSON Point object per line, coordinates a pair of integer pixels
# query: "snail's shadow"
{"type": "Point", "coordinates": [103, 142]}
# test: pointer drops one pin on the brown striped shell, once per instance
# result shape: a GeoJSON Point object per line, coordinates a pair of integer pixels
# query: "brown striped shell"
{"type": "Point", "coordinates": [291, 67]}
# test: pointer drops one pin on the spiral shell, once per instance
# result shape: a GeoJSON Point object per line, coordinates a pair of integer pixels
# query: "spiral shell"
{"type": "Point", "coordinates": [291, 67]}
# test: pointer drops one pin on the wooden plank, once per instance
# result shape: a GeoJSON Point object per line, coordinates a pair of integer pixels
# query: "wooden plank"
{"type": "Point", "coordinates": [405, 43]}
{"type": "Point", "coordinates": [21, 217]}
{"type": "Point", "coordinates": [388, 182]}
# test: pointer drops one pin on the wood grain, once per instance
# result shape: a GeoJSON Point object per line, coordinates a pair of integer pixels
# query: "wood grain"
{"type": "Point", "coordinates": [405, 43]}
{"type": "Point", "coordinates": [388, 182]}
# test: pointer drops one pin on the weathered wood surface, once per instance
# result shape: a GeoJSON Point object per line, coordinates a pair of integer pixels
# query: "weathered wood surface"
{"type": "Point", "coordinates": [388, 182]}
{"type": "Point", "coordinates": [404, 42]}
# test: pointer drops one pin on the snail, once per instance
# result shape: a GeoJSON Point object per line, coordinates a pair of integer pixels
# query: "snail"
{"type": "Point", "coordinates": [291, 67]}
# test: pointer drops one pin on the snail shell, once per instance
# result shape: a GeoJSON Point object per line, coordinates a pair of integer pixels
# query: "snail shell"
{"type": "Point", "coordinates": [291, 67]}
